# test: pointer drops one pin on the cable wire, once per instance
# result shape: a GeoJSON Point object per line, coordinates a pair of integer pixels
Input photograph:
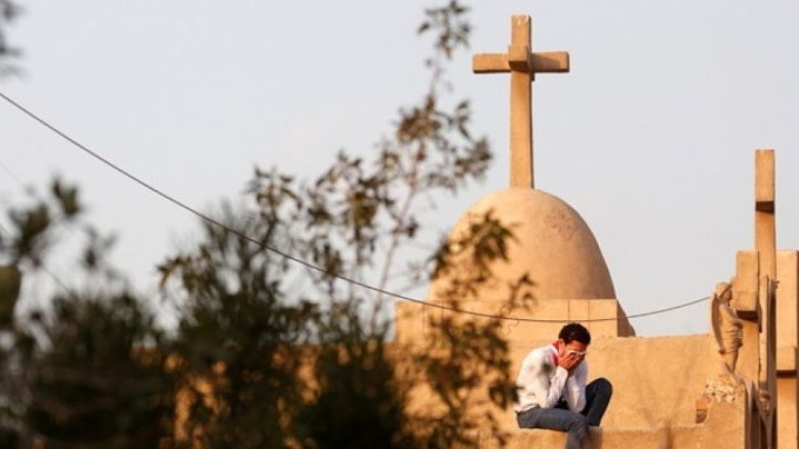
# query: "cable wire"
{"type": "Point", "coordinates": [295, 259]}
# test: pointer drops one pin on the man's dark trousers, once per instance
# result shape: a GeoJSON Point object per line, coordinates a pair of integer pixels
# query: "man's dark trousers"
{"type": "Point", "coordinates": [597, 395]}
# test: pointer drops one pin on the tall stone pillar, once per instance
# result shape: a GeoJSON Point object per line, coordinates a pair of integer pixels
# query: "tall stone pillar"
{"type": "Point", "coordinates": [787, 343]}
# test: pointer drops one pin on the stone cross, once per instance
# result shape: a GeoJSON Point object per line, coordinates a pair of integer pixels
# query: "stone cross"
{"type": "Point", "coordinates": [522, 65]}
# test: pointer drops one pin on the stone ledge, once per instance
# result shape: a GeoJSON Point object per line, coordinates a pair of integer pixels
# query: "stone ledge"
{"type": "Point", "coordinates": [608, 438]}
{"type": "Point", "coordinates": [411, 323]}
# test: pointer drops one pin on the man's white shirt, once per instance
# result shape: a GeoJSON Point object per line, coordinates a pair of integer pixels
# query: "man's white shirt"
{"type": "Point", "coordinates": [542, 383]}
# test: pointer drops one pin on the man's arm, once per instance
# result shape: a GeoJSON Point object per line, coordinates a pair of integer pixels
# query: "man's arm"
{"type": "Point", "coordinates": [535, 376]}
{"type": "Point", "coordinates": [575, 388]}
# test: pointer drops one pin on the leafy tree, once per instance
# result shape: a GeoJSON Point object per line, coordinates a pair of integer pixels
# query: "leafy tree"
{"type": "Point", "coordinates": [268, 352]}
{"type": "Point", "coordinates": [8, 12]}
{"type": "Point", "coordinates": [87, 370]}
{"type": "Point", "coordinates": [238, 340]}
{"type": "Point", "coordinates": [352, 219]}
{"type": "Point", "coordinates": [96, 383]}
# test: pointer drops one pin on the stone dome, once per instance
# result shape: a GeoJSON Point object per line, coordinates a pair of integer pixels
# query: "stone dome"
{"type": "Point", "coordinates": [552, 244]}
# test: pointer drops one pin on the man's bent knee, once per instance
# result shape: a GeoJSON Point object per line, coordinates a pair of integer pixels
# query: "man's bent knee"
{"type": "Point", "coordinates": [603, 384]}
{"type": "Point", "coordinates": [578, 421]}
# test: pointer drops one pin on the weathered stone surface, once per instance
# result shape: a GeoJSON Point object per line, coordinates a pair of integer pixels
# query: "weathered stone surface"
{"type": "Point", "coordinates": [787, 343]}
{"type": "Point", "coordinates": [656, 384]}
{"type": "Point", "coordinates": [553, 246]}
{"type": "Point", "coordinates": [656, 380]}
{"type": "Point", "coordinates": [602, 317]}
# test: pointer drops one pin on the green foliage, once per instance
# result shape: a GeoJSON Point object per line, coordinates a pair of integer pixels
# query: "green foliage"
{"type": "Point", "coordinates": [352, 218]}
{"type": "Point", "coordinates": [32, 224]}
{"type": "Point", "coordinates": [237, 334]}
{"type": "Point", "coordinates": [484, 242]}
{"type": "Point", "coordinates": [359, 401]}
{"type": "Point", "coordinates": [10, 283]}
{"type": "Point", "coordinates": [9, 11]}
{"type": "Point", "coordinates": [88, 370]}
{"type": "Point", "coordinates": [337, 219]}
{"type": "Point", "coordinates": [95, 379]}
{"type": "Point", "coordinates": [465, 363]}
{"type": "Point", "coordinates": [452, 27]}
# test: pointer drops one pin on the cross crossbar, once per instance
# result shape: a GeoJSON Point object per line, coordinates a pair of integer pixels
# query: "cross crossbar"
{"type": "Point", "coordinates": [545, 62]}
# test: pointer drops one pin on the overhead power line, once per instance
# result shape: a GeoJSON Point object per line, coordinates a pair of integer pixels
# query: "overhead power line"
{"type": "Point", "coordinates": [295, 259]}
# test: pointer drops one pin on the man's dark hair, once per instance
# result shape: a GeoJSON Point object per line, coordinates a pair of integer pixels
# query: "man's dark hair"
{"type": "Point", "coordinates": [575, 331]}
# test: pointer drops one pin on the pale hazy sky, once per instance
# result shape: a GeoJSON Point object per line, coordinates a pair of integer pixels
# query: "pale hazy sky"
{"type": "Point", "coordinates": [650, 137]}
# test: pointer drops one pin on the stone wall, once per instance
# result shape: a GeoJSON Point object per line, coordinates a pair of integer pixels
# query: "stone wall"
{"type": "Point", "coordinates": [657, 382]}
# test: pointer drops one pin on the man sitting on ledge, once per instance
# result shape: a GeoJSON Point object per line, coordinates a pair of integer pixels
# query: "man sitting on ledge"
{"type": "Point", "coordinates": [552, 388]}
